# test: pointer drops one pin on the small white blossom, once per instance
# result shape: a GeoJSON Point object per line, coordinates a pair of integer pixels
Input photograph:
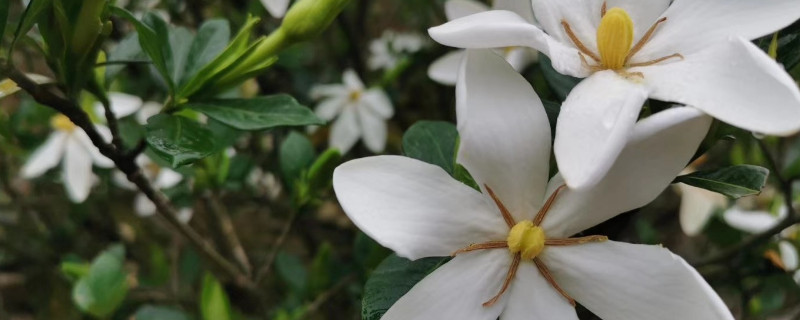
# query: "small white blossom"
{"type": "Point", "coordinates": [161, 178]}
{"type": "Point", "coordinates": [277, 8]}
{"type": "Point", "coordinates": [386, 51]}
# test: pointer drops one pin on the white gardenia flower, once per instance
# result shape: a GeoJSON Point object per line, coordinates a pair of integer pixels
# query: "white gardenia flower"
{"type": "Point", "coordinates": [693, 52]}
{"type": "Point", "coordinates": [161, 178]}
{"type": "Point", "coordinates": [697, 205]}
{"type": "Point", "coordinates": [122, 104]}
{"type": "Point", "coordinates": [277, 8]}
{"type": "Point", "coordinates": [755, 221]}
{"type": "Point", "coordinates": [386, 51]}
{"type": "Point", "coordinates": [359, 112]}
{"type": "Point", "coordinates": [445, 69]}
{"type": "Point", "coordinates": [514, 255]}
{"type": "Point", "coordinates": [70, 143]}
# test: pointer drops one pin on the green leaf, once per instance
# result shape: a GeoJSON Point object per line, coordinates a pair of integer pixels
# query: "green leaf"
{"type": "Point", "coordinates": [103, 289]}
{"type": "Point", "coordinates": [214, 303]}
{"type": "Point", "coordinates": [734, 182]}
{"type": "Point", "coordinates": [295, 154]}
{"type": "Point", "coordinates": [320, 277]}
{"type": "Point", "coordinates": [212, 37]}
{"type": "Point", "coordinates": [258, 113]}
{"type": "Point", "coordinates": [393, 278]}
{"type": "Point", "coordinates": [31, 15]}
{"type": "Point", "coordinates": [126, 50]}
{"type": "Point", "coordinates": [3, 17]}
{"type": "Point", "coordinates": [320, 175]}
{"type": "Point", "coordinates": [178, 140]}
{"type": "Point", "coordinates": [180, 41]}
{"type": "Point", "coordinates": [153, 39]}
{"type": "Point", "coordinates": [561, 84]}
{"type": "Point", "coordinates": [433, 142]}
{"type": "Point", "coordinates": [149, 312]}
{"type": "Point", "coordinates": [293, 272]}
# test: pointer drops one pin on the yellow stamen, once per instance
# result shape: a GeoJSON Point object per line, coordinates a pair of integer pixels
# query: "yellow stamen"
{"type": "Point", "coordinates": [526, 239]}
{"type": "Point", "coordinates": [355, 95]}
{"type": "Point", "coordinates": [8, 87]}
{"type": "Point", "coordinates": [61, 122]}
{"type": "Point", "coordinates": [615, 38]}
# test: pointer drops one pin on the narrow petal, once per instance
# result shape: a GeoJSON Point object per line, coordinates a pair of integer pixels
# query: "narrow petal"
{"type": "Point", "coordinates": [122, 104]}
{"type": "Point", "coordinates": [500, 29]}
{"type": "Point", "coordinates": [377, 100]}
{"type": "Point", "coordinates": [788, 255]}
{"type": "Point", "coordinates": [330, 107]}
{"type": "Point", "coordinates": [445, 69]}
{"type": "Point", "coordinates": [143, 206]}
{"type": "Point", "coordinates": [345, 130]}
{"type": "Point", "coordinates": [373, 128]}
{"type": "Point", "coordinates": [276, 8]}
{"type": "Point", "coordinates": [505, 134]}
{"type": "Point", "coordinates": [658, 149]}
{"type": "Point", "coordinates": [523, 8]}
{"type": "Point", "coordinates": [98, 158]}
{"type": "Point", "coordinates": [697, 207]}
{"type": "Point", "coordinates": [594, 125]}
{"type": "Point", "coordinates": [617, 280]}
{"type": "Point", "coordinates": [167, 178]}
{"type": "Point", "coordinates": [694, 25]}
{"type": "Point", "coordinates": [532, 297]}
{"type": "Point", "coordinates": [77, 171]}
{"type": "Point", "coordinates": [414, 208]}
{"type": "Point", "coordinates": [47, 156]}
{"type": "Point", "coordinates": [735, 82]}
{"type": "Point", "coordinates": [148, 110]}
{"type": "Point", "coordinates": [520, 58]}
{"type": "Point", "coordinates": [753, 221]}
{"type": "Point", "coordinates": [185, 215]}
{"type": "Point", "coordinates": [328, 90]}
{"type": "Point", "coordinates": [457, 290]}
{"type": "Point", "coordinates": [352, 81]}
{"type": "Point", "coordinates": [455, 9]}
{"type": "Point", "coordinates": [121, 180]}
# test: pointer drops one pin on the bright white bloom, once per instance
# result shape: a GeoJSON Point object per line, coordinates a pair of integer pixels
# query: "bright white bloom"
{"type": "Point", "coordinates": [161, 178]}
{"type": "Point", "coordinates": [761, 221]}
{"type": "Point", "coordinates": [445, 69]}
{"type": "Point", "coordinates": [148, 110]}
{"type": "Point", "coordinates": [359, 112]}
{"type": "Point", "coordinates": [277, 8]}
{"type": "Point", "coordinates": [70, 143]}
{"type": "Point", "coordinates": [122, 104]}
{"type": "Point", "coordinates": [514, 257]}
{"type": "Point", "coordinates": [386, 51]}
{"type": "Point", "coordinates": [697, 204]}
{"type": "Point", "coordinates": [694, 52]}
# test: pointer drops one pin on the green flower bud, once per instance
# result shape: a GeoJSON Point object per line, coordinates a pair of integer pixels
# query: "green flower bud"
{"type": "Point", "coordinates": [89, 26]}
{"type": "Point", "coordinates": [307, 19]}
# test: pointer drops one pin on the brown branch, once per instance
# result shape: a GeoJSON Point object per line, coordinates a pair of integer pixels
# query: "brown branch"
{"type": "Point", "coordinates": [265, 269]}
{"type": "Point", "coordinates": [57, 101]}
{"type": "Point", "coordinates": [225, 224]}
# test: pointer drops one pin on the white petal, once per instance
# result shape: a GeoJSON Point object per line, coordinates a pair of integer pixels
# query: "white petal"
{"type": "Point", "coordinates": [752, 221]}
{"type": "Point", "coordinates": [797, 277]}
{"type": "Point", "coordinates": [523, 8]}
{"type": "Point", "coordinates": [500, 29]}
{"type": "Point", "coordinates": [122, 104]}
{"type": "Point", "coordinates": [47, 156]}
{"type": "Point", "coordinates": [345, 130]}
{"type": "Point", "coordinates": [521, 58]}
{"type": "Point", "coordinates": [143, 206]}
{"type": "Point", "coordinates": [373, 128]}
{"type": "Point", "coordinates": [122, 181]}
{"type": "Point", "coordinates": [788, 255]}
{"type": "Point", "coordinates": [694, 25]}
{"type": "Point", "coordinates": [414, 208]}
{"type": "Point", "coordinates": [276, 8]}
{"type": "Point", "coordinates": [735, 82]}
{"type": "Point", "coordinates": [625, 281]}
{"type": "Point", "coordinates": [83, 139]}
{"type": "Point", "coordinates": [328, 90]}
{"type": "Point", "coordinates": [167, 178]}
{"type": "Point", "coordinates": [77, 171]}
{"type": "Point", "coordinates": [148, 110]}
{"type": "Point", "coordinates": [532, 297]}
{"type": "Point", "coordinates": [697, 207]}
{"type": "Point", "coordinates": [185, 215]}
{"type": "Point", "coordinates": [457, 290]}
{"type": "Point", "coordinates": [594, 124]}
{"type": "Point", "coordinates": [504, 131]}
{"type": "Point", "coordinates": [330, 107]}
{"type": "Point", "coordinates": [378, 101]}
{"type": "Point", "coordinates": [352, 81]}
{"type": "Point", "coordinates": [659, 148]}
{"type": "Point", "coordinates": [455, 9]}
{"type": "Point", "coordinates": [445, 69]}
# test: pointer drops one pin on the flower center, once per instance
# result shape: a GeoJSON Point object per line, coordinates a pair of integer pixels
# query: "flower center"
{"type": "Point", "coordinates": [355, 95]}
{"type": "Point", "coordinates": [615, 38]}
{"type": "Point", "coordinates": [526, 239]}
{"type": "Point", "coordinates": [62, 123]}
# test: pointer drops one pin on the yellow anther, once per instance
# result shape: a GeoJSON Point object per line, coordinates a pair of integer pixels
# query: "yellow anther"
{"type": "Point", "coordinates": [7, 88]}
{"type": "Point", "coordinates": [526, 239]}
{"type": "Point", "coordinates": [615, 38]}
{"type": "Point", "coordinates": [61, 122]}
{"type": "Point", "coordinates": [355, 95]}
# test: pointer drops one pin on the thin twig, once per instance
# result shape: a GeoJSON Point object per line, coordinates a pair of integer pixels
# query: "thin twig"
{"type": "Point", "coordinates": [225, 224]}
{"type": "Point", "coordinates": [327, 295]}
{"type": "Point", "coordinates": [265, 269]}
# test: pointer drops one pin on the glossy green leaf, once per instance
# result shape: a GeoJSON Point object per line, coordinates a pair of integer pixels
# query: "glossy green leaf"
{"type": "Point", "coordinates": [212, 37]}
{"type": "Point", "coordinates": [149, 312]}
{"type": "Point", "coordinates": [153, 39]}
{"type": "Point", "coordinates": [31, 15]}
{"type": "Point", "coordinates": [433, 142]}
{"type": "Point", "coordinates": [734, 182]}
{"type": "Point", "coordinates": [561, 84]}
{"type": "Point", "coordinates": [178, 140]}
{"type": "Point", "coordinates": [126, 50]}
{"type": "Point", "coordinates": [296, 154]}
{"type": "Point", "coordinates": [258, 113]}
{"type": "Point", "coordinates": [393, 278]}
{"type": "Point", "coordinates": [104, 288]}
{"type": "Point", "coordinates": [180, 41]}
{"type": "Point", "coordinates": [214, 302]}
{"type": "Point", "coordinates": [320, 175]}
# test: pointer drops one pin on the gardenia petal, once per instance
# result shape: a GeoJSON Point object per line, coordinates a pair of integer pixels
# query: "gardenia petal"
{"type": "Point", "coordinates": [167, 178]}
{"type": "Point", "coordinates": [523, 8]}
{"type": "Point", "coordinates": [77, 171]}
{"type": "Point", "coordinates": [378, 102]}
{"type": "Point", "coordinates": [352, 81]}
{"type": "Point", "coordinates": [659, 148]}
{"type": "Point", "coordinates": [328, 90]}
{"type": "Point", "coordinates": [345, 130]}
{"type": "Point", "coordinates": [532, 297]}
{"type": "Point", "coordinates": [752, 221]}
{"type": "Point", "coordinates": [504, 132]}
{"type": "Point", "coordinates": [415, 208]}
{"type": "Point", "coordinates": [456, 290]}
{"type": "Point", "coordinates": [593, 126]}
{"type": "Point", "coordinates": [122, 104]}
{"type": "Point", "coordinates": [143, 206]}
{"type": "Point", "coordinates": [445, 69]}
{"type": "Point", "coordinates": [788, 255]}
{"type": "Point", "coordinates": [697, 207]}
{"type": "Point", "coordinates": [83, 139]}
{"type": "Point", "coordinates": [373, 128]}
{"type": "Point", "coordinates": [148, 110]}
{"type": "Point", "coordinates": [500, 29]}
{"type": "Point", "coordinates": [455, 9]}
{"type": "Point", "coordinates": [694, 25]}
{"type": "Point", "coordinates": [47, 156]}
{"type": "Point", "coordinates": [733, 81]}
{"type": "Point", "coordinates": [330, 107]}
{"type": "Point", "coordinates": [276, 8]}
{"type": "Point", "coordinates": [521, 57]}
{"type": "Point", "coordinates": [625, 281]}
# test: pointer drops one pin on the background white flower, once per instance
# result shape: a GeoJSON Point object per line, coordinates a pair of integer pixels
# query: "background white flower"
{"type": "Point", "coordinates": [697, 205]}
{"type": "Point", "coordinates": [359, 112]}
{"type": "Point", "coordinates": [708, 63]}
{"type": "Point", "coordinates": [160, 177]}
{"type": "Point", "coordinates": [755, 221]}
{"type": "Point", "coordinates": [69, 143]}
{"type": "Point", "coordinates": [277, 8]}
{"type": "Point", "coordinates": [122, 104]}
{"type": "Point", "coordinates": [386, 51]}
